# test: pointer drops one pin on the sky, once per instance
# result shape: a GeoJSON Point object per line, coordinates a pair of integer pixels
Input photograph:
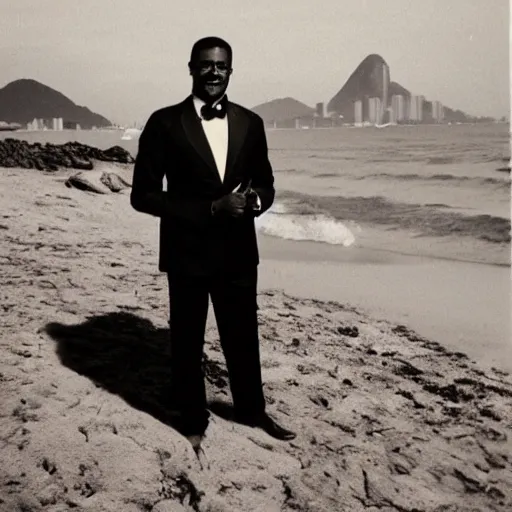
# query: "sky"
{"type": "Point", "coordinates": [126, 58]}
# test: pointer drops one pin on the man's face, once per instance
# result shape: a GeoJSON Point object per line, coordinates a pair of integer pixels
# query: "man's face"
{"type": "Point", "coordinates": [210, 74]}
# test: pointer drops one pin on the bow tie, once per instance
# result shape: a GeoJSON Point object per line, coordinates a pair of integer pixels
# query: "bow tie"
{"type": "Point", "coordinates": [208, 112]}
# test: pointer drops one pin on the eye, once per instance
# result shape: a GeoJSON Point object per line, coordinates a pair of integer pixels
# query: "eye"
{"type": "Point", "coordinates": [204, 65]}
{"type": "Point", "coordinates": [208, 65]}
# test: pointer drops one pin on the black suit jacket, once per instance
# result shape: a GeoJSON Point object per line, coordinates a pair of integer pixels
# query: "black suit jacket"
{"type": "Point", "coordinates": [173, 144]}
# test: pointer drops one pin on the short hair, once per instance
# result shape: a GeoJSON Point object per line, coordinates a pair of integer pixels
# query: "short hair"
{"type": "Point", "coordinates": [210, 42]}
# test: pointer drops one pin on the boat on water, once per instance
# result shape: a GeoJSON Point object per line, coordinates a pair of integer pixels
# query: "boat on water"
{"type": "Point", "coordinates": [131, 133]}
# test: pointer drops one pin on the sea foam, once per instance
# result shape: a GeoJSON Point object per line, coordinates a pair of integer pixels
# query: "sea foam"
{"type": "Point", "coordinates": [280, 223]}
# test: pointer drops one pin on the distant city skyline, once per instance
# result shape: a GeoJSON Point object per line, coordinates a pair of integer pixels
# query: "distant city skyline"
{"type": "Point", "coordinates": [124, 60]}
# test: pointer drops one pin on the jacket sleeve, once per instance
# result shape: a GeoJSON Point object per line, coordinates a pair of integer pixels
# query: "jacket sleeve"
{"type": "Point", "coordinates": [147, 194]}
{"type": "Point", "coordinates": [263, 176]}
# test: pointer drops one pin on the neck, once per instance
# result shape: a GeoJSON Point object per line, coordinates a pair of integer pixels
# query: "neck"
{"type": "Point", "coordinates": [208, 100]}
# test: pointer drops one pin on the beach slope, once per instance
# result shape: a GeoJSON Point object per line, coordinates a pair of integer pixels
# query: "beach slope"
{"type": "Point", "coordinates": [386, 419]}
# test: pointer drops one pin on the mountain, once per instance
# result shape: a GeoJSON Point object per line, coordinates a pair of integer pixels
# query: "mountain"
{"type": "Point", "coordinates": [23, 100]}
{"type": "Point", "coordinates": [371, 79]}
{"type": "Point", "coordinates": [397, 89]}
{"type": "Point", "coordinates": [282, 109]}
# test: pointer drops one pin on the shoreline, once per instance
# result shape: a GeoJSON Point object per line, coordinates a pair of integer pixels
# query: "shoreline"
{"type": "Point", "coordinates": [366, 248]}
{"type": "Point", "coordinates": [456, 303]}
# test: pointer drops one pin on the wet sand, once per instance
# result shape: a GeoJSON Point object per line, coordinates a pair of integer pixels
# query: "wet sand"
{"type": "Point", "coordinates": [466, 306]}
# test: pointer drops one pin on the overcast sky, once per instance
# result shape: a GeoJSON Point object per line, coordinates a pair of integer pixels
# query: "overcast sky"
{"type": "Point", "coordinates": [126, 58]}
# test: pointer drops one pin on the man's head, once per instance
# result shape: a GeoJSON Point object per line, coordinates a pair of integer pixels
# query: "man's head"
{"type": "Point", "coordinates": [210, 67]}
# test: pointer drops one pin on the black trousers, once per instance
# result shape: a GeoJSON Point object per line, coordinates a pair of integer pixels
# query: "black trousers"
{"type": "Point", "coordinates": [234, 303]}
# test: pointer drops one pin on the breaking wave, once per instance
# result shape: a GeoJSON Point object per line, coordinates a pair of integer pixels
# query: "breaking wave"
{"type": "Point", "coordinates": [325, 218]}
{"type": "Point", "coordinates": [317, 227]}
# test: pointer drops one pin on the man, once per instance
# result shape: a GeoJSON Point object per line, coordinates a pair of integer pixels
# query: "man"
{"type": "Point", "coordinates": [207, 148]}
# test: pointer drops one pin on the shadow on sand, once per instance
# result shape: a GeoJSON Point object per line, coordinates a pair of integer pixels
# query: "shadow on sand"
{"type": "Point", "coordinates": [130, 357]}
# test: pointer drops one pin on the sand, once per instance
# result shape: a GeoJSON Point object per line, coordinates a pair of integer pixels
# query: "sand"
{"type": "Point", "coordinates": [466, 306]}
{"type": "Point", "coordinates": [387, 420]}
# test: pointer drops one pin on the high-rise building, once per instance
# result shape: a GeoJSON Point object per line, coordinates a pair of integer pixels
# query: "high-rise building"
{"type": "Point", "coordinates": [370, 111]}
{"type": "Point", "coordinates": [374, 110]}
{"type": "Point", "coordinates": [385, 93]}
{"type": "Point", "coordinates": [398, 107]}
{"type": "Point", "coordinates": [416, 108]}
{"type": "Point", "coordinates": [413, 109]}
{"type": "Point", "coordinates": [358, 112]}
{"type": "Point", "coordinates": [378, 107]}
{"type": "Point", "coordinates": [392, 115]}
{"type": "Point", "coordinates": [319, 111]}
{"type": "Point", "coordinates": [437, 111]}
{"type": "Point", "coordinates": [420, 100]}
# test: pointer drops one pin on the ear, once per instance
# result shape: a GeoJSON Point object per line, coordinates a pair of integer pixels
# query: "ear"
{"type": "Point", "coordinates": [190, 69]}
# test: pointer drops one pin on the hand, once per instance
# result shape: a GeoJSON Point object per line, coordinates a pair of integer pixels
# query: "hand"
{"type": "Point", "coordinates": [252, 200]}
{"type": "Point", "coordinates": [233, 204]}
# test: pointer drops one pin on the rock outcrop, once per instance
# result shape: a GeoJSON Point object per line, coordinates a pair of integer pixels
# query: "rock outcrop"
{"type": "Point", "coordinates": [49, 157]}
{"type": "Point", "coordinates": [100, 182]}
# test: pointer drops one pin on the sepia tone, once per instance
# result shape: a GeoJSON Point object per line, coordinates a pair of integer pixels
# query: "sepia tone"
{"type": "Point", "coordinates": [383, 294]}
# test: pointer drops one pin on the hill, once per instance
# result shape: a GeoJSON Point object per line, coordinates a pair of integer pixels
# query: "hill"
{"type": "Point", "coordinates": [282, 109]}
{"type": "Point", "coordinates": [23, 100]}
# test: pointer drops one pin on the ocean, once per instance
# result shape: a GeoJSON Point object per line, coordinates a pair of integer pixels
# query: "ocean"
{"type": "Point", "coordinates": [423, 190]}
{"type": "Point", "coordinates": [429, 190]}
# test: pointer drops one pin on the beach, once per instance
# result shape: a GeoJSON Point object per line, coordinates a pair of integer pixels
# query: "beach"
{"type": "Point", "coordinates": [385, 337]}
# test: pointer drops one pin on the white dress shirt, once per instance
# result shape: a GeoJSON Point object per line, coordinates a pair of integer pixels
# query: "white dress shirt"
{"type": "Point", "coordinates": [216, 131]}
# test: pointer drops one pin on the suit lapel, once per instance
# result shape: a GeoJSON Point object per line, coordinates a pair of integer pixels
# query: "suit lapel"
{"type": "Point", "coordinates": [238, 124]}
{"type": "Point", "coordinates": [195, 134]}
